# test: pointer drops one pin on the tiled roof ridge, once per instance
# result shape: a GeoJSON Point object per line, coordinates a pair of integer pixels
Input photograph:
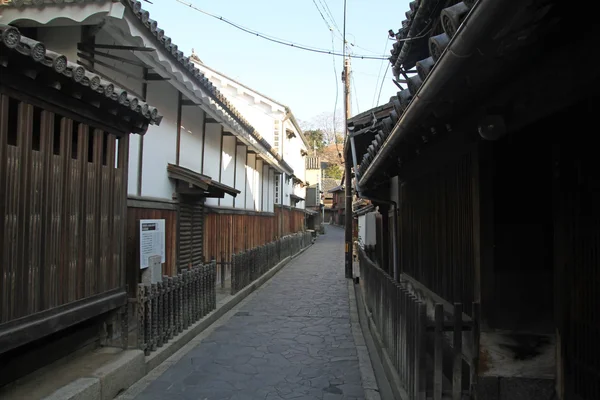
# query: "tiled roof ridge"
{"type": "Point", "coordinates": [188, 64]}
{"type": "Point", "coordinates": [11, 38]}
{"type": "Point", "coordinates": [419, 17]}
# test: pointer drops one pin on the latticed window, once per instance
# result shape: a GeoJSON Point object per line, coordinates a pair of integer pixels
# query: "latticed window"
{"type": "Point", "coordinates": [277, 189]}
{"type": "Point", "coordinates": [276, 134]}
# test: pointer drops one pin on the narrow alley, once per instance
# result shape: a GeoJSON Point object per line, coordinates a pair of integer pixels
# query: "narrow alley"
{"type": "Point", "coordinates": [291, 339]}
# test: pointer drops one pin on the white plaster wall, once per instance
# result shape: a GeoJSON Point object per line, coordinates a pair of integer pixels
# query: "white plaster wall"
{"type": "Point", "coordinates": [133, 170]}
{"type": "Point", "coordinates": [258, 115]}
{"type": "Point", "coordinates": [228, 167]}
{"type": "Point", "coordinates": [266, 187]}
{"type": "Point", "coordinates": [258, 198]}
{"type": "Point", "coordinates": [190, 151]}
{"type": "Point", "coordinates": [250, 179]}
{"type": "Point", "coordinates": [61, 39]}
{"type": "Point", "coordinates": [160, 142]}
{"type": "Point", "coordinates": [272, 178]}
{"type": "Point", "coordinates": [287, 190]}
{"type": "Point", "coordinates": [240, 176]}
{"type": "Point", "coordinates": [212, 155]}
{"type": "Point", "coordinates": [313, 176]}
{"type": "Point", "coordinates": [292, 152]}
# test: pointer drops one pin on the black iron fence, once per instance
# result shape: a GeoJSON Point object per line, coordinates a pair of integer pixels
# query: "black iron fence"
{"type": "Point", "coordinates": [249, 265]}
{"type": "Point", "coordinates": [435, 355]}
{"type": "Point", "coordinates": [166, 308]}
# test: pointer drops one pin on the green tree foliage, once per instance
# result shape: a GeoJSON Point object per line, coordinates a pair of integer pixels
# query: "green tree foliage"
{"type": "Point", "coordinates": [316, 138]}
{"type": "Point", "coordinates": [333, 171]}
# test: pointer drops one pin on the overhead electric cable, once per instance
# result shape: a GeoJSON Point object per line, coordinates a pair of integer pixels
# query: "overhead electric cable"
{"type": "Point", "coordinates": [283, 41]}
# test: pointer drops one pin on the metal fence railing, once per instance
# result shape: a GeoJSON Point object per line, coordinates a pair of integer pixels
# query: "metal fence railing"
{"type": "Point", "coordinates": [249, 265]}
{"type": "Point", "coordinates": [166, 308]}
{"type": "Point", "coordinates": [427, 347]}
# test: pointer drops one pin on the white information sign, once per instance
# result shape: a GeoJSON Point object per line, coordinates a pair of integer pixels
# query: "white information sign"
{"type": "Point", "coordinates": [152, 240]}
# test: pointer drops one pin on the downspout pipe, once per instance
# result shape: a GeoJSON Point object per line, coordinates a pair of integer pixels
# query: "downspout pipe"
{"type": "Point", "coordinates": [395, 223]}
{"type": "Point", "coordinates": [483, 19]}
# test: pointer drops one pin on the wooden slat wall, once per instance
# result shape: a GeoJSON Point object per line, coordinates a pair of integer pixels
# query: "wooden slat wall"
{"type": "Point", "coordinates": [293, 220]}
{"type": "Point", "coordinates": [227, 234]}
{"type": "Point", "coordinates": [436, 230]}
{"type": "Point", "coordinates": [134, 215]}
{"type": "Point", "coordinates": [577, 252]}
{"type": "Point", "coordinates": [61, 210]}
{"type": "Point", "coordinates": [191, 232]}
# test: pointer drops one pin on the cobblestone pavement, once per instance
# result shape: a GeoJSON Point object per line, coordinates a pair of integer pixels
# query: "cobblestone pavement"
{"type": "Point", "coordinates": [293, 340]}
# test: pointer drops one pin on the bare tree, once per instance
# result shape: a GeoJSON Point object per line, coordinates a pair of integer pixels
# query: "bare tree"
{"type": "Point", "coordinates": [325, 122]}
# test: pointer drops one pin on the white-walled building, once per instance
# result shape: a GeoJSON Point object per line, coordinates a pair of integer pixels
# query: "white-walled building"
{"type": "Point", "coordinates": [277, 125]}
{"type": "Point", "coordinates": [216, 166]}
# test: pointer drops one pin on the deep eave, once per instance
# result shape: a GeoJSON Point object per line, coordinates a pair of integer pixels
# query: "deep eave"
{"type": "Point", "coordinates": [22, 55]}
{"type": "Point", "coordinates": [106, 10]}
{"type": "Point", "coordinates": [194, 183]}
{"type": "Point", "coordinates": [461, 82]}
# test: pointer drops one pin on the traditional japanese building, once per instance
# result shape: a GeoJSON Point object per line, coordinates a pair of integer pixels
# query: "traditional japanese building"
{"type": "Point", "coordinates": [486, 180]}
{"type": "Point", "coordinates": [65, 135]}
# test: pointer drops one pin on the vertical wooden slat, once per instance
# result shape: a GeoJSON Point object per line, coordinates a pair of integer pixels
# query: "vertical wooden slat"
{"type": "Point", "coordinates": [476, 342]}
{"type": "Point", "coordinates": [23, 266]}
{"type": "Point", "coordinates": [4, 272]}
{"type": "Point", "coordinates": [82, 163]}
{"type": "Point", "coordinates": [457, 350]}
{"type": "Point", "coordinates": [437, 345]}
{"type": "Point", "coordinates": [64, 284]}
{"type": "Point", "coordinates": [113, 215]}
{"type": "Point", "coordinates": [35, 232]}
{"type": "Point", "coordinates": [96, 171]}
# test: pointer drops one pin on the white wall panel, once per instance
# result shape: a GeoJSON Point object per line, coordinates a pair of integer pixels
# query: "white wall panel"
{"type": "Point", "coordinates": [250, 179]}
{"type": "Point", "coordinates": [133, 170]}
{"type": "Point", "coordinates": [240, 176]}
{"type": "Point", "coordinates": [190, 151]}
{"type": "Point", "coordinates": [160, 142]}
{"type": "Point", "coordinates": [228, 167]}
{"type": "Point", "coordinates": [258, 184]}
{"type": "Point", "coordinates": [212, 155]}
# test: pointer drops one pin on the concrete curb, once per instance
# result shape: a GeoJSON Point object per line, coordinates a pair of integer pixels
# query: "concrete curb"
{"type": "Point", "coordinates": [106, 382]}
{"type": "Point", "coordinates": [388, 367]}
{"type": "Point", "coordinates": [369, 382]}
{"type": "Point", "coordinates": [114, 378]}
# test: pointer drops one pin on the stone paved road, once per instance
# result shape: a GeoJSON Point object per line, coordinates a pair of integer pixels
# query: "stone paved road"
{"type": "Point", "coordinates": [293, 340]}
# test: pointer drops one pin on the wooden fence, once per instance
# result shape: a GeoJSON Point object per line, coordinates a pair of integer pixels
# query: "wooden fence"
{"type": "Point", "coordinates": [166, 308]}
{"type": "Point", "coordinates": [62, 217]}
{"type": "Point", "coordinates": [247, 266]}
{"type": "Point", "coordinates": [292, 220]}
{"type": "Point", "coordinates": [424, 341]}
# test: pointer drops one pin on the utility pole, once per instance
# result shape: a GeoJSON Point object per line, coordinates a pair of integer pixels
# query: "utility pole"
{"type": "Point", "coordinates": [348, 171]}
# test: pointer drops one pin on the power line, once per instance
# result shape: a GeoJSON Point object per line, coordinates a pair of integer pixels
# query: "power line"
{"type": "Point", "coordinates": [379, 73]}
{"type": "Point", "coordinates": [383, 80]}
{"type": "Point", "coordinates": [328, 12]}
{"type": "Point", "coordinates": [355, 93]}
{"type": "Point", "coordinates": [281, 41]}
{"type": "Point", "coordinates": [337, 90]}
{"type": "Point", "coordinates": [322, 16]}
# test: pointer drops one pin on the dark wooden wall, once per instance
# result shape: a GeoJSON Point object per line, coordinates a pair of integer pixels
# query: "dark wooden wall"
{"type": "Point", "coordinates": [62, 208]}
{"type": "Point", "coordinates": [436, 230]}
{"type": "Point", "coordinates": [577, 254]}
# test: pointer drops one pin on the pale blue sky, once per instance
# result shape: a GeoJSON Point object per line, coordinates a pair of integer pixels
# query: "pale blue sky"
{"type": "Point", "coordinates": [302, 80]}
